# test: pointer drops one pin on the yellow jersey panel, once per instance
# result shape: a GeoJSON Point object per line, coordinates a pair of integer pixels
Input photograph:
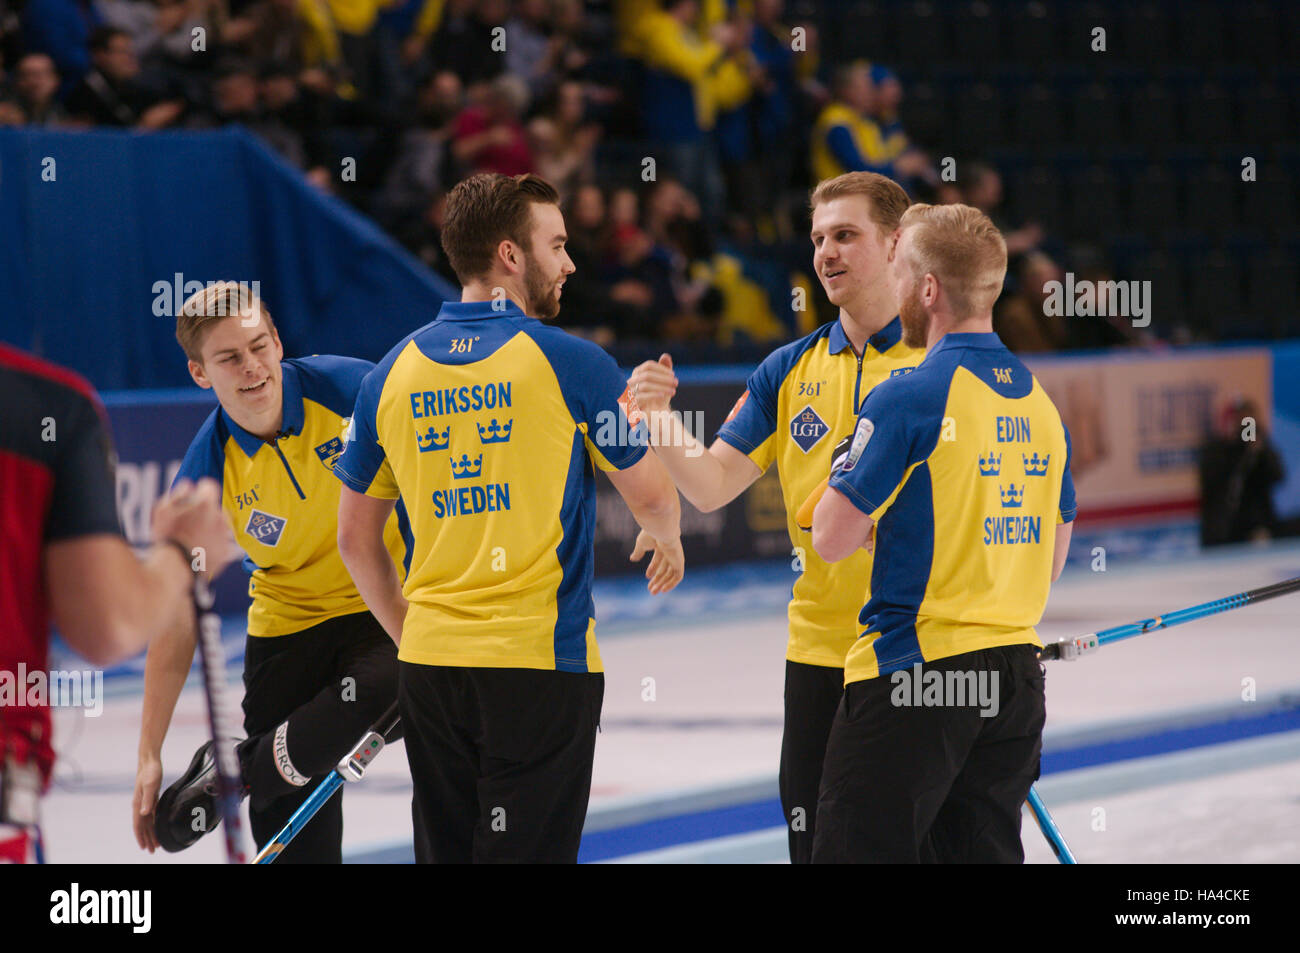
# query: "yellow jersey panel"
{"type": "Point", "coordinates": [798, 405]}
{"type": "Point", "coordinates": [964, 466]}
{"type": "Point", "coordinates": [489, 425]}
{"type": "Point", "coordinates": [282, 500]}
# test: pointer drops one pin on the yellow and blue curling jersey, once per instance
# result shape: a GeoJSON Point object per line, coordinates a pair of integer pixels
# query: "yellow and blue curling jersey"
{"type": "Point", "coordinates": [965, 466]}
{"type": "Point", "coordinates": [282, 499]}
{"type": "Point", "coordinates": [799, 403]}
{"type": "Point", "coordinates": [488, 423]}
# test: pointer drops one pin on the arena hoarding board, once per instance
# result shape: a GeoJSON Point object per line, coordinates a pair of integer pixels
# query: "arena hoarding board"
{"type": "Point", "coordinates": [1137, 422]}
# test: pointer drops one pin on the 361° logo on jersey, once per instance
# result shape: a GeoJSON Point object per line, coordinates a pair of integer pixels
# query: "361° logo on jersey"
{"type": "Point", "coordinates": [264, 527]}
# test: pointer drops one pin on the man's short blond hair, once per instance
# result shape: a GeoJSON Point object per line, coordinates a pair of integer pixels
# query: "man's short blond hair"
{"type": "Point", "coordinates": [887, 198]}
{"type": "Point", "coordinates": [961, 247]}
{"type": "Point", "coordinates": [219, 300]}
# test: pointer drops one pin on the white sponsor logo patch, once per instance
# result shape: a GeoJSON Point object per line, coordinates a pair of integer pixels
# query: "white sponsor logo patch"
{"type": "Point", "coordinates": [282, 762]}
{"type": "Point", "coordinates": [860, 438]}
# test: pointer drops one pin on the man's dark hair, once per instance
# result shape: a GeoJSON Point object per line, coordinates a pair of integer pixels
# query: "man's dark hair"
{"type": "Point", "coordinates": [101, 36]}
{"type": "Point", "coordinates": [485, 210]}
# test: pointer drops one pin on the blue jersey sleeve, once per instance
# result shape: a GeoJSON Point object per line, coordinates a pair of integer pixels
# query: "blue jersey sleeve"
{"type": "Point", "coordinates": [364, 466]}
{"type": "Point", "coordinates": [1069, 507]}
{"type": "Point", "coordinates": [206, 456]}
{"type": "Point", "coordinates": [752, 423]}
{"type": "Point", "coordinates": [898, 427]}
{"type": "Point", "coordinates": [332, 381]}
{"type": "Point", "coordinates": [595, 391]}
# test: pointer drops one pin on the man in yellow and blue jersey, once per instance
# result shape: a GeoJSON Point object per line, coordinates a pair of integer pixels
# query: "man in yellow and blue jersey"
{"type": "Point", "coordinates": [490, 425]}
{"type": "Point", "coordinates": [318, 667]}
{"type": "Point", "coordinates": [796, 406]}
{"type": "Point", "coordinates": [959, 475]}
{"type": "Point", "coordinates": [846, 138]}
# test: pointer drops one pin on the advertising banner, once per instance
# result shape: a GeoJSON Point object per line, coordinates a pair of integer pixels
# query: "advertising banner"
{"type": "Point", "coordinates": [1137, 422]}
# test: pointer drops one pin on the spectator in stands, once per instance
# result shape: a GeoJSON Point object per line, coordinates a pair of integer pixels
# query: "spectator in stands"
{"type": "Point", "coordinates": [1021, 320]}
{"type": "Point", "coordinates": [563, 142]}
{"type": "Point", "coordinates": [459, 38]}
{"type": "Point", "coordinates": [419, 172]}
{"type": "Point", "coordinates": [423, 237]}
{"type": "Point", "coordinates": [574, 46]}
{"type": "Point", "coordinates": [287, 109]}
{"type": "Point", "coordinates": [295, 34]}
{"type": "Point", "coordinates": [530, 52]}
{"type": "Point", "coordinates": [673, 219]}
{"type": "Point", "coordinates": [1108, 328]}
{"type": "Point", "coordinates": [889, 95]}
{"type": "Point", "coordinates": [61, 29]}
{"type": "Point", "coordinates": [588, 306]}
{"type": "Point", "coordinates": [845, 137]}
{"type": "Point", "coordinates": [640, 274]}
{"type": "Point", "coordinates": [894, 140]}
{"type": "Point", "coordinates": [490, 137]}
{"type": "Point", "coordinates": [354, 22]}
{"type": "Point", "coordinates": [235, 96]}
{"type": "Point", "coordinates": [739, 150]}
{"type": "Point", "coordinates": [773, 108]}
{"type": "Point", "coordinates": [396, 21]}
{"type": "Point", "coordinates": [1239, 466]}
{"type": "Point", "coordinates": [687, 76]}
{"type": "Point", "coordinates": [270, 107]}
{"type": "Point", "coordinates": [624, 209]}
{"type": "Point", "coordinates": [110, 94]}
{"type": "Point", "coordinates": [981, 186]}
{"type": "Point", "coordinates": [160, 29]}
{"type": "Point", "coordinates": [35, 86]}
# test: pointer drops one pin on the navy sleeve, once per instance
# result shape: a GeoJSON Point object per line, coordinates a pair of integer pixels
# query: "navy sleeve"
{"type": "Point", "coordinates": [595, 391]}
{"type": "Point", "coordinates": [206, 456]}
{"type": "Point", "coordinates": [332, 381]}
{"type": "Point", "coordinates": [364, 467]}
{"type": "Point", "coordinates": [84, 494]}
{"type": "Point", "coordinates": [1069, 507]}
{"type": "Point", "coordinates": [752, 422]}
{"type": "Point", "coordinates": [897, 428]}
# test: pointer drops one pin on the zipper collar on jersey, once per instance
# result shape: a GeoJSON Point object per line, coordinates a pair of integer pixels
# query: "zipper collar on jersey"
{"type": "Point", "coordinates": [292, 409]}
{"type": "Point", "coordinates": [882, 340]}
{"type": "Point", "coordinates": [478, 310]}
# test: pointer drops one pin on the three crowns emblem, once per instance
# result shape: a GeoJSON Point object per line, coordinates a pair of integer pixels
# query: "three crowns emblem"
{"type": "Point", "coordinates": [494, 432]}
{"type": "Point", "coordinates": [1034, 466]}
{"type": "Point", "coordinates": [432, 440]}
{"type": "Point", "coordinates": [465, 468]}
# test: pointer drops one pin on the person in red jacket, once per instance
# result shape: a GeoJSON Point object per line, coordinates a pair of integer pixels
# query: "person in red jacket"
{"type": "Point", "coordinates": [63, 559]}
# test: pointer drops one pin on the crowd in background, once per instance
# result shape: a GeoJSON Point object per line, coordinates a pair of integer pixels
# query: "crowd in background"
{"type": "Point", "coordinates": [683, 136]}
